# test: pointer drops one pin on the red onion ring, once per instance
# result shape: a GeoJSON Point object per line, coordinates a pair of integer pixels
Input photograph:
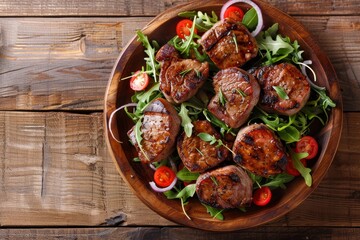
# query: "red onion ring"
{"type": "Point", "coordinates": [251, 3]}
{"type": "Point", "coordinates": [303, 67]}
{"type": "Point", "coordinates": [152, 166]}
{"type": "Point", "coordinates": [157, 189]}
{"type": "Point", "coordinates": [112, 116]}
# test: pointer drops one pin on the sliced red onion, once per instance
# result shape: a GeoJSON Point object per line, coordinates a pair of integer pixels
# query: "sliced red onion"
{"type": "Point", "coordinates": [251, 3]}
{"type": "Point", "coordinates": [152, 166]}
{"type": "Point", "coordinates": [157, 189]}
{"type": "Point", "coordinates": [112, 116]}
{"type": "Point", "coordinates": [303, 66]}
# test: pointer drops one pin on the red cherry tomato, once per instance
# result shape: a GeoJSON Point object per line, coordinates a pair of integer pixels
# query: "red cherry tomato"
{"type": "Point", "coordinates": [290, 169]}
{"type": "Point", "coordinates": [139, 81]}
{"type": "Point", "coordinates": [307, 144]}
{"type": "Point", "coordinates": [234, 13]}
{"type": "Point", "coordinates": [164, 176]}
{"type": "Point", "coordinates": [183, 28]}
{"type": "Point", "coordinates": [262, 196]}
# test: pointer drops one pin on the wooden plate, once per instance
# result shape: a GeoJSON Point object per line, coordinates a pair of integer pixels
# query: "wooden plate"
{"type": "Point", "coordinates": [118, 93]}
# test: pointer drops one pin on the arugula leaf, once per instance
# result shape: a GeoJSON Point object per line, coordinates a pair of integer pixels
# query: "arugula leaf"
{"type": "Point", "coordinates": [151, 64]}
{"type": "Point", "coordinates": [187, 192]}
{"type": "Point", "coordinates": [212, 139]}
{"type": "Point", "coordinates": [185, 175]}
{"type": "Point", "coordinates": [143, 99]}
{"type": "Point", "coordinates": [214, 212]}
{"type": "Point", "coordinates": [139, 138]}
{"type": "Point", "coordinates": [289, 134]}
{"type": "Point", "coordinates": [183, 195]}
{"type": "Point", "coordinates": [203, 21]}
{"type": "Point", "coordinates": [207, 138]}
{"type": "Point", "coordinates": [278, 180]}
{"type": "Point", "coordinates": [276, 47]}
{"type": "Point", "coordinates": [185, 120]}
{"type": "Point", "coordinates": [223, 127]}
{"type": "Point", "coordinates": [304, 171]}
{"type": "Point", "coordinates": [250, 19]}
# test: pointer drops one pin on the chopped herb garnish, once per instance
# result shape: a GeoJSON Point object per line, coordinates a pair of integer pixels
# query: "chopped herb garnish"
{"type": "Point", "coordinates": [241, 92]}
{"type": "Point", "coordinates": [186, 71]}
{"type": "Point", "coordinates": [222, 98]}
{"type": "Point", "coordinates": [281, 92]}
{"type": "Point", "coordinates": [235, 42]}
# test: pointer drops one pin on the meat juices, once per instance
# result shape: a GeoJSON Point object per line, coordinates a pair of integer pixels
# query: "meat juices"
{"type": "Point", "coordinates": [219, 43]}
{"type": "Point", "coordinates": [257, 149]}
{"type": "Point", "coordinates": [180, 79]}
{"type": "Point", "coordinates": [291, 80]}
{"type": "Point", "coordinates": [240, 92]}
{"type": "Point", "coordinates": [226, 187]}
{"type": "Point", "coordinates": [198, 155]}
{"type": "Point", "coordinates": [159, 128]}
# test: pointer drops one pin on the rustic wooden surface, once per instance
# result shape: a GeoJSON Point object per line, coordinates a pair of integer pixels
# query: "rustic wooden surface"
{"type": "Point", "coordinates": [55, 61]}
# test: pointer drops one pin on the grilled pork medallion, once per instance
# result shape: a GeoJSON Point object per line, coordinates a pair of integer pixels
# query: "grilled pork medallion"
{"type": "Point", "coordinates": [226, 187]}
{"type": "Point", "coordinates": [180, 79]}
{"type": "Point", "coordinates": [237, 92]}
{"type": "Point", "coordinates": [159, 128]}
{"type": "Point", "coordinates": [288, 79]}
{"type": "Point", "coordinates": [229, 44]}
{"type": "Point", "coordinates": [257, 149]}
{"type": "Point", "coordinates": [198, 155]}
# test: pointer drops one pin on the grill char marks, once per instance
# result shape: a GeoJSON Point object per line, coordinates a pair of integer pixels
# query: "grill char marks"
{"type": "Point", "coordinates": [159, 128]}
{"type": "Point", "coordinates": [291, 80]}
{"type": "Point", "coordinates": [226, 187]}
{"type": "Point", "coordinates": [258, 150]}
{"type": "Point", "coordinates": [198, 155]}
{"type": "Point", "coordinates": [180, 79]}
{"type": "Point", "coordinates": [219, 43]}
{"type": "Point", "coordinates": [240, 92]}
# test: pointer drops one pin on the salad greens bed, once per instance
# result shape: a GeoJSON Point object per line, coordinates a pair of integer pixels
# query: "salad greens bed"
{"type": "Point", "coordinates": [273, 48]}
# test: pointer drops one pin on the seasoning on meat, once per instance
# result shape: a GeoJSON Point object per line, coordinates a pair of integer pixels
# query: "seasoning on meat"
{"type": "Point", "coordinates": [237, 93]}
{"type": "Point", "coordinates": [290, 80]}
{"type": "Point", "coordinates": [225, 187]}
{"type": "Point", "coordinates": [180, 79]}
{"type": "Point", "coordinates": [198, 155]}
{"type": "Point", "coordinates": [229, 44]}
{"type": "Point", "coordinates": [160, 126]}
{"type": "Point", "coordinates": [258, 149]}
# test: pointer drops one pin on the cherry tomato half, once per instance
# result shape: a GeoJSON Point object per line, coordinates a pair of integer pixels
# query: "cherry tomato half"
{"type": "Point", "coordinates": [139, 81]}
{"type": "Point", "coordinates": [307, 144]}
{"type": "Point", "coordinates": [183, 28]}
{"type": "Point", "coordinates": [262, 196]}
{"type": "Point", "coordinates": [164, 176]}
{"type": "Point", "coordinates": [290, 169]}
{"type": "Point", "coordinates": [234, 13]}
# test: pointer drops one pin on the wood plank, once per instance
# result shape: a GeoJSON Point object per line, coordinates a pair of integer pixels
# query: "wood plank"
{"type": "Point", "coordinates": [151, 8]}
{"type": "Point", "coordinates": [65, 63]}
{"type": "Point", "coordinates": [127, 233]}
{"type": "Point", "coordinates": [56, 171]}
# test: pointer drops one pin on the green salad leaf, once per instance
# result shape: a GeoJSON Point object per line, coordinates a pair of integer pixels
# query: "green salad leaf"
{"type": "Point", "coordinates": [203, 21]}
{"type": "Point", "coordinates": [250, 19]}
{"type": "Point", "coordinates": [277, 48]}
{"type": "Point", "coordinates": [151, 64]}
{"type": "Point", "coordinates": [214, 212]}
{"type": "Point", "coordinates": [186, 120]}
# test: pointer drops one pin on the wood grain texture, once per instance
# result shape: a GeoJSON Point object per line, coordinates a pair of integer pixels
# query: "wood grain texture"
{"type": "Point", "coordinates": [151, 8]}
{"type": "Point", "coordinates": [56, 171]}
{"type": "Point", "coordinates": [178, 233]}
{"type": "Point", "coordinates": [66, 63]}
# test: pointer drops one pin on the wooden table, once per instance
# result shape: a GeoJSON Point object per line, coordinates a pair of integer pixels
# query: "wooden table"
{"type": "Point", "coordinates": [57, 177]}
